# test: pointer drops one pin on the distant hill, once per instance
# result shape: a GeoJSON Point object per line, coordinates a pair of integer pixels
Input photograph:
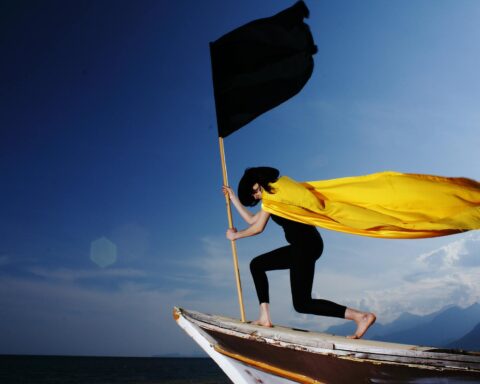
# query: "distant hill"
{"type": "Point", "coordinates": [438, 329]}
{"type": "Point", "coordinates": [443, 329]}
{"type": "Point", "coordinates": [470, 342]}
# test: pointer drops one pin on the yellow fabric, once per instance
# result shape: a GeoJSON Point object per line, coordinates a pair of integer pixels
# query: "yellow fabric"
{"type": "Point", "coordinates": [386, 205]}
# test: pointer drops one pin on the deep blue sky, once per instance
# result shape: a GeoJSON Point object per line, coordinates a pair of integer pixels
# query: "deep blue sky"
{"type": "Point", "coordinates": [108, 131]}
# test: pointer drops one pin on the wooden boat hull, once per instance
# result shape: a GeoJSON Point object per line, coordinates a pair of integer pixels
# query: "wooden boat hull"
{"type": "Point", "coordinates": [252, 354]}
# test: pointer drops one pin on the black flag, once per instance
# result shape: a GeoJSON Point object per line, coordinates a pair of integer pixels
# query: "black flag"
{"type": "Point", "coordinates": [260, 65]}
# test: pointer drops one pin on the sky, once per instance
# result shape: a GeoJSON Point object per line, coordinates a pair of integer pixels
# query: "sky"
{"type": "Point", "coordinates": [110, 176]}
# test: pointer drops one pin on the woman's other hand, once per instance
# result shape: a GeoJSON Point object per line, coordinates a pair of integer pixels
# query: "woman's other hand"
{"type": "Point", "coordinates": [231, 233]}
{"type": "Point", "coordinates": [227, 191]}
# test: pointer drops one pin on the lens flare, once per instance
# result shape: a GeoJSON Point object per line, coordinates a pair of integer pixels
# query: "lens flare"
{"type": "Point", "coordinates": [103, 252]}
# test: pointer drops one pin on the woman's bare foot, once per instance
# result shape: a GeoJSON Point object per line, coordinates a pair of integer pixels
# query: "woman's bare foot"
{"type": "Point", "coordinates": [264, 318]}
{"type": "Point", "coordinates": [364, 320]}
{"type": "Point", "coordinates": [263, 323]}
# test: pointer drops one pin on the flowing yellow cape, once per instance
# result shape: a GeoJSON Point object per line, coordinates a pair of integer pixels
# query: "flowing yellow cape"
{"type": "Point", "coordinates": [386, 205]}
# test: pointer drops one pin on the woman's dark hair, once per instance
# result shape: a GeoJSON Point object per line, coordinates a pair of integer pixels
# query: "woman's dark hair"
{"type": "Point", "coordinates": [261, 175]}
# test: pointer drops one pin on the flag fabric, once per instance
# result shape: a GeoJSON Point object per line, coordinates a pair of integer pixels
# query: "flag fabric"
{"type": "Point", "coordinates": [388, 205]}
{"type": "Point", "coordinates": [260, 65]}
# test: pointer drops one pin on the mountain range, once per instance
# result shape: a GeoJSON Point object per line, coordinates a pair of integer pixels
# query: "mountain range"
{"type": "Point", "coordinates": [451, 327]}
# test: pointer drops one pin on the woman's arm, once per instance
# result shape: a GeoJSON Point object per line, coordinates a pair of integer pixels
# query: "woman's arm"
{"type": "Point", "coordinates": [248, 216]}
{"type": "Point", "coordinates": [257, 227]}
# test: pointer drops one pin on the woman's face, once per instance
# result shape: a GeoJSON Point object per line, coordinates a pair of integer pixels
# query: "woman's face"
{"type": "Point", "coordinates": [257, 191]}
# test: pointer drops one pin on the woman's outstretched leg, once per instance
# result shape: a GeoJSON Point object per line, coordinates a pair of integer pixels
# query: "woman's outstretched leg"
{"type": "Point", "coordinates": [302, 273]}
{"type": "Point", "coordinates": [301, 279]}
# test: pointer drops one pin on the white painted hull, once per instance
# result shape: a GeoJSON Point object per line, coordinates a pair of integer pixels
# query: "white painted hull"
{"type": "Point", "coordinates": [237, 371]}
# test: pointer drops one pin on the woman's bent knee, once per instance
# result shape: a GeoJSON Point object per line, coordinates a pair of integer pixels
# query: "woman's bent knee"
{"type": "Point", "coordinates": [255, 265]}
{"type": "Point", "coordinates": [301, 306]}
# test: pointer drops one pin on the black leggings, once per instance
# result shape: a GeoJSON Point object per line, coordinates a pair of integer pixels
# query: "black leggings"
{"type": "Point", "coordinates": [301, 262]}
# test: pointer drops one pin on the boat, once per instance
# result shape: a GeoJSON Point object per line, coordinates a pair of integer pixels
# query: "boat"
{"type": "Point", "coordinates": [251, 354]}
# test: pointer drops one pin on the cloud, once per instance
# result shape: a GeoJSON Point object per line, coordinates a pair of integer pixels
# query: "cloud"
{"type": "Point", "coordinates": [68, 274]}
{"type": "Point", "coordinates": [212, 266]}
{"type": "Point", "coordinates": [58, 317]}
{"type": "Point", "coordinates": [444, 276]}
{"type": "Point", "coordinates": [217, 261]}
{"type": "Point", "coordinates": [464, 252]}
{"type": "Point", "coordinates": [424, 296]}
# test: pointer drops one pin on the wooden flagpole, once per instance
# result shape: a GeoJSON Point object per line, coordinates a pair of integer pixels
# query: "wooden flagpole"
{"type": "Point", "coordinates": [230, 224]}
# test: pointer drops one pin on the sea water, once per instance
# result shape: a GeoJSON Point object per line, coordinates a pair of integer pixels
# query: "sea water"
{"type": "Point", "coordinates": [112, 370]}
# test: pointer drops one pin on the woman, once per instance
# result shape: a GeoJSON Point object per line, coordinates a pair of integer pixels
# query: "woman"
{"type": "Point", "coordinates": [304, 249]}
